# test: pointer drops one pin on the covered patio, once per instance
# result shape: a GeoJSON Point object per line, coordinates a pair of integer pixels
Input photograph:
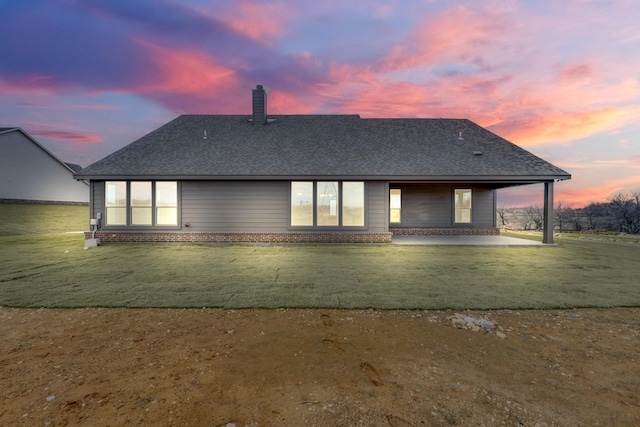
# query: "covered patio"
{"type": "Point", "coordinates": [459, 240]}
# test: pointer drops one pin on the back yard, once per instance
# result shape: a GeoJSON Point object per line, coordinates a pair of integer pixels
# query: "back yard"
{"type": "Point", "coordinates": [43, 264]}
{"type": "Point", "coordinates": [355, 335]}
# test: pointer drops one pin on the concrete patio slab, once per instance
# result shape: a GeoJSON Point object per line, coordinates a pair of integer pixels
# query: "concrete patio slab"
{"type": "Point", "coordinates": [464, 241]}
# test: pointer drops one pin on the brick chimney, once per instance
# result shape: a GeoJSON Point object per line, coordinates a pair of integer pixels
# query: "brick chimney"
{"type": "Point", "coordinates": [259, 106]}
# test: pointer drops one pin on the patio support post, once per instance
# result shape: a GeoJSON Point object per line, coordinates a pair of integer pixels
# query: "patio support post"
{"type": "Point", "coordinates": [547, 236]}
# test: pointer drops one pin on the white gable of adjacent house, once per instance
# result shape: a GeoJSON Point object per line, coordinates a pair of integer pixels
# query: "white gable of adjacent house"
{"type": "Point", "coordinates": [30, 172]}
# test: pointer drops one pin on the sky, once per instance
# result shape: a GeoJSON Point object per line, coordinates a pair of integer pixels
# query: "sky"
{"type": "Point", "coordinates": [558, 78]}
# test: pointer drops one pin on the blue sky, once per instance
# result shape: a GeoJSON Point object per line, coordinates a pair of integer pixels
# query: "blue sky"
{"type": "Point", "coordinates": [561, 79]}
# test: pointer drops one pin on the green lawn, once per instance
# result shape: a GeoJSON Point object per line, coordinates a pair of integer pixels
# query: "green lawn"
{"type": "Point", "coordinates": [43, 264]}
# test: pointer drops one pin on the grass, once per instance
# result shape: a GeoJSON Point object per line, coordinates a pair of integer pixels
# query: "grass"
{"type": "Point", "coordinates": [43, 264]}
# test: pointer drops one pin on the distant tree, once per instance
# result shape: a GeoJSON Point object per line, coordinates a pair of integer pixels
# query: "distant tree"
{"type": "Point", "coordinates": [576, 218]}
{"type": "Point", "coordinates": [524, 218]}
{"type": "Point", "coordinates": [594, 214]}
{"type": "Point", "coordinates": [502, 216]}
{"type": "Point", "coordinates": [533, 216]}
{"type": "Point", "coordinates": [561, 215]}
{"type": "Point", "coordinates": [626, 212]}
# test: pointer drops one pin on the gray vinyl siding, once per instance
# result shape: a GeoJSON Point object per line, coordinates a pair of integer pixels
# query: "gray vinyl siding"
{"type": "Point", "coordinates": [97, 198]}
{"type": "Point", "coordinates": [263, 206]}
{"type": "Point", "coordinates": [235, 206]}
{"type": "Point", "coordinates": [431, 205]}
{"type": "Point", "coordinates": [425, 205]}
{"type": "Point", "coordinates": [378, 206]}
{"type": "Point", "coordinates": [258, 206]}
{"type": "Point", "coordinates": [483, 208]}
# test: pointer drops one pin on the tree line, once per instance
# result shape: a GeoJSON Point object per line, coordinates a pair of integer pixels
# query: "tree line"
{"type": "Point", "coordinates": [621, 213]}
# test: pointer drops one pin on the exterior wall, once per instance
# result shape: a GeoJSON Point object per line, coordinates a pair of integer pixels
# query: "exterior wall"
{"type": "Point", "coordinates": [430, 206]}
{"type": "Point", "coordinates": [28, 172]}
{"type": "Point", "coordinates": [247, 210]}
{"type": "Point", "coordinates": [96, 201]}
{"type": "Point", "coordinates": [378, 206]}
{"type": "Point", "coordinates": [257, 206]}
{"type": "Point", "coordinates": [258, 211]}
{"type": "Point", "coordinates": [235, 206]}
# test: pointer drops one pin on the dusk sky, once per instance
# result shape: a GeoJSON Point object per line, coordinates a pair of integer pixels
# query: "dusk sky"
{"type": "Point", "coordinates": [559, 78]}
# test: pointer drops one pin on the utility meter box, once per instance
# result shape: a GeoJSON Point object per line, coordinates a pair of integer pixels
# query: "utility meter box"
{"type": "Point", "coordinates": [94, 221]}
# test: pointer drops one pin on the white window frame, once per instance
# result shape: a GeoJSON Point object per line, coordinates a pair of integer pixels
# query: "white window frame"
{"type": "Point", "coordinates": [333, 207]}
{"type": "Point", "coordinates": [128, 207]}
{"type": "Point", "coordinates": [395, 204]}
{"type": "Point", "coordinates": [463, 206]}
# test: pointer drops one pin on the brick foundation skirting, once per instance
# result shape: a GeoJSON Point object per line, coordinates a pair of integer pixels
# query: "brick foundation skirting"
{"type": "Point", "coordinates": [488, 231]}
{"type": "Point", "coordinates": [194, 237]}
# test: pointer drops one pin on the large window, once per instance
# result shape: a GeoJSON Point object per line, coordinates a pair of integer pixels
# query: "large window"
{"type": "Point", "coordinates": [141, 203]}
{"type": "Point", "coordinates": [462, 206]}
{"type": "Point", "coordinates": [327, 204]}
{"type": "Point", "coordinates": [116, 203]}
{"type": "Point", "coordinates": [395, 205]}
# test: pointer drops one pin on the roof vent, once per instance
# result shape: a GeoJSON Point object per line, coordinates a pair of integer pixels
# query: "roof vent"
{"type": "Point", "coordinates": [259, 106]}
{"type": "Point", "coordinates": [477, 153]}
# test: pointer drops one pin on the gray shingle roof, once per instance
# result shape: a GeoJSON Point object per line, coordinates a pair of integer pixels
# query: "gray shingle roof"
{"type": "Point", "coordinates": [75, 168]}
{"type": "Point", "coordinates": [319, 146]}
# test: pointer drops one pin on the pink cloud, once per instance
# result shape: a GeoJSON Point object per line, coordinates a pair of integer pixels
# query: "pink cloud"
{"type": "Point", "coordinates": [58, 106]}
{"type": "Point", "coordinates": [628, 181]}
{"type": "Point", "coordinates": [76, 138]}
{"type": "Point", "coordinates": [456, 35]}
{"type": "Point", "coordinates": [545, 127]}
{"type": "Point", "coordinates": [280, 102]}
{"type": "Point", "coordinates": [633, 162]}
{"type": "Point", "coordinates": [184, 71]}
{"type": "Point", "coordinates": [579, 197]}
{"type": "Point", "coordinates": [189, 81]}
{"type": "Point", "coordinates": [577, 72]}
{"type": "Point", "coordinates": [566, 100]}
{"type": "Point", "coordinates": [261, 22]}
{"type": "Point", "coordinates": [31, 83]}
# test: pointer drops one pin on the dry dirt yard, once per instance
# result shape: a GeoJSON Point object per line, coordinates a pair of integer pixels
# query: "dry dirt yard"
{"type": "Point", "coordinates": [293, 367]}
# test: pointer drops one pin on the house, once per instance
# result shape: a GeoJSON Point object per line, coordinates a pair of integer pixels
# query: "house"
{"type": "Point", "coordinates": [31, 173]}
{"type": "Point", "coordinates": [308, 178]}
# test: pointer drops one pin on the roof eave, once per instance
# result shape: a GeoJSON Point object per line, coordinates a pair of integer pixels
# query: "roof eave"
{"type": "Point", "coordinates": [422, 178]}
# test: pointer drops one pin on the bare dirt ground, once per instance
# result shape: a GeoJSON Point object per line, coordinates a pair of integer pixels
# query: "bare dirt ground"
{"type": "Point", "coordinates": [209, 367]}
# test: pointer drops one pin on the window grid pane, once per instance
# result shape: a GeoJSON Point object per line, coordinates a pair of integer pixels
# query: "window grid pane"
{"type": "Point", "coordinates": [353, 204]}
{"type": "Point", "coordinates": [141, 203]}
{"type": "Point", "coordinates": [327, 209]}
{"type": "Point", "coordinates": [302, 203]}
{"type": "Point", "coordinates": [116, 203]}
{"type": "Point", "coordinates": [167, 203]}
{"type": "Point", "coordinates": [167, 194]}
{"type": "Point", "coordinates": [167, 216]}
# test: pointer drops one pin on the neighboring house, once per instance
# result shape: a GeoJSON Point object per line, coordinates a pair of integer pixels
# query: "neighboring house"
{"type": "Point", "coordinates": [29, 172]}
{"type": "Point", "coordinates": [308, 178]}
